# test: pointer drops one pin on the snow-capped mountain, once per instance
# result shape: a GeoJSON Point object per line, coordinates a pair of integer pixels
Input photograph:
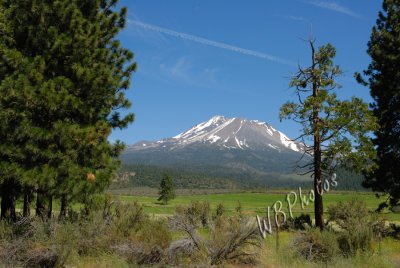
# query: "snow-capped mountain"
{"type": "Point", "coordinates": [228, 133]}
{"type": "Point", "coordinates": [248, 152]}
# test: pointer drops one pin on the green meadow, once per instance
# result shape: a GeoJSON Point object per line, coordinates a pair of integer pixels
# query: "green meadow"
{"type": "Point", "coordinates": [253, 203]}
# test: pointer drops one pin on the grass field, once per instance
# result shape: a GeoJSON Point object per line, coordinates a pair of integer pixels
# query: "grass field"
{"type": "Point", "coordinates": [252, 203]}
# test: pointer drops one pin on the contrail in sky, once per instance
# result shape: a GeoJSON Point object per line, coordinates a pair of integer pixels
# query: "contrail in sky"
{"type": "Point", "coordinates": [334, 7]}
{"type": "Point", "coordinates": [212, 43]}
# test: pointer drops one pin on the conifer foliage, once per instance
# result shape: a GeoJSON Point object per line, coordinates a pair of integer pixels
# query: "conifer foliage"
{"type": "Point", "coordinates": [167, 189]}
{"type": "Point", "coordinates": [337, 131]}
{"type": "Point", "coordinates": [383, 79]}
{"type": "Point", "coordinates": [63, 76]}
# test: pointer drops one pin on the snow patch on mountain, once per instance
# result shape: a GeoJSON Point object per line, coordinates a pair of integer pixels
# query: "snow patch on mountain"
{"type": "Point", "coordinates": [288, 142]}
{"type": "Point", "coordinates": [213, 138]}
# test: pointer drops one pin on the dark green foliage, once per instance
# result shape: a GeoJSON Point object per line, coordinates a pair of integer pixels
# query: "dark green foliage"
{"type": "Point", "coordinates": [337, 130]}
{"type": "Point", "coordinates": [167, 189]}
{"type": "Point", "coordinates": [383, 79]}
{"type": "Point", "coordinates": [63, 75]}
{"type": "Point", "coordinates": [394, 231]}
{"type": "Point", "coordinates": [130, 176]}
{"type": "Point", "coordinates": [301, 222]}
{"type": "Point", "coordinates": [348, 180]}
{"type": "Point", "coordinates": [146, 175]}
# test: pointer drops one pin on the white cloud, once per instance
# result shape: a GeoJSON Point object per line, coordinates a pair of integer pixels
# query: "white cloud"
{"type": "Point", "coordinates": [334, 7]}
{"type": "Point", "coordinates": [180, 69]}
{"type": "Point", "coordinates": [183, 70]}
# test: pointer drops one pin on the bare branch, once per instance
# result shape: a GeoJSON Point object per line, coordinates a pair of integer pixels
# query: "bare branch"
{"type": "Point", "coordinates": [306, 165]}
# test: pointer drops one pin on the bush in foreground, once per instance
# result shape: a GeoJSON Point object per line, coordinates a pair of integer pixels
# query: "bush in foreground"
{"type": "Point", "coordinates": [358, 227]}
{"type": "Point", "coordinates": [232, 239]}
{"type": "Point", "coordinates": [316, 245]}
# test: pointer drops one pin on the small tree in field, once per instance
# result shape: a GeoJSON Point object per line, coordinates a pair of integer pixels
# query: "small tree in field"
{"type": "Point", "coordinates": [167, 191]}
{"type": "Point", "coordinates": [337, 130]}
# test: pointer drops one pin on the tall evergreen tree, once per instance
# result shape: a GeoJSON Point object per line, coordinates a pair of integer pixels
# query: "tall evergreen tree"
{"type": "Point", "coordinates": [337, 130]}
{"type": "Point", "coordinates": [167, 191]}
{"type": "Point", "coordinates": [63, 76]}
{"type": "Point", "coordinates": [383, 79]}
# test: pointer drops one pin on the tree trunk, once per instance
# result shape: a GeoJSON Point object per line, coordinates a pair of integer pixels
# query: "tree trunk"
{"type": "Point", "coordinates": [8, 201]}
{"type": "Point", "coordinates": [13, 215]}
{"type": "Point", "coordinates": [8, 206]}
{"type": "Point", "coordinates": [39, 205]}
{"type": "Point", "coordinates": [318, 190]}
{"type": "Point", "coordinates": [318, 180]}
{"type": "Point", "coordinates": [50, 207]}
{"type": "Point", "coordinates": [27, 204]}
{"type": "Point", "coordinates": [64, 207]}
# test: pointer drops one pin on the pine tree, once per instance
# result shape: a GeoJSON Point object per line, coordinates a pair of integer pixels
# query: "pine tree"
{"type": "Point", "coordinates": [63, 76]}
{"type": "Point", "coordinates": [337, 130]}
{"type": "Point", "coordinates": [167, 191]}
{"type": "Point", "coordinates": [383, 79]}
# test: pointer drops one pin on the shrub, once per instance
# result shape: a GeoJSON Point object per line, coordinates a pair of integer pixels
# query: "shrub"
{"type": "Point", "coordinates": [394, 231]}
{"type": "Point", "coordinates": [239, 208]}
{"type": "Point", "coordinates": [179, 249]}
{"type": "Point", "coordinates": [67, 239]}
{"type": "Point", "coordinates": [204, 213]}
{"type": "Point", "coordinates": [127, 218]}
{"type": "Point", "coordinates": [358, 226]}
{"type": "Point", "coordinates": [121, 229]}
{"type": "Point", "coordinates": [41, 255]}
{"type": "Point", "coordinates": [96, 233]}
{"type": "Point", "coordinates": [154, 233]}
{"type": "Point", "coordinates": [197, 212]}
{"type": "Point", "coordinates": [38, 243]}
{"type": "Point", "coordinates": [6, 230]}
{"type": "Point", "coordinates": [301, 222]}
{"type": "Point", "coordinates": [219, 211]}
{"type": "Point", "coordinates": [149, 245]}
{"type": "Point", "coordinates": [233, 239]}
{"type": "Point", "coordinates": [23, 227]}
{"type": "Point", "coordinates": [316, 246]}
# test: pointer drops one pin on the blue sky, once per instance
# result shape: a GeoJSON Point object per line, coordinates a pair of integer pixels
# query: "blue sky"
{"type": "Point", "coordinates": [200, 58]}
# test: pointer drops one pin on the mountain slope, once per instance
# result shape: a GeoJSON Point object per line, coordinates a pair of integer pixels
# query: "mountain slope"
{"type": "Point", "coordinates": [234, 148]}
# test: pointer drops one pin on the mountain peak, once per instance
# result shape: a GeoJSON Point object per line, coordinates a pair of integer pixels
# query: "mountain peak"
{"type": "Point", "coordinates": [218, 117]}
{"type": "Point", "coordinates": [228, 133]}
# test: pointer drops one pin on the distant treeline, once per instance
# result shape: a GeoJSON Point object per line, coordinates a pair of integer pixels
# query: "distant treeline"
{"type": "Point", "coordinates": [209, 178]}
